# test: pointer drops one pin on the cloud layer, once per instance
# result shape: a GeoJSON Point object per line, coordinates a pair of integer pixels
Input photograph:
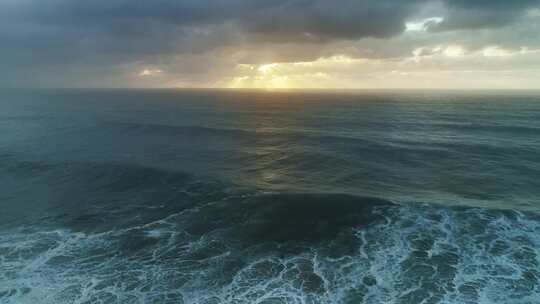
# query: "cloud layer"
{"type": "Point", "coordinates": [205, 43]}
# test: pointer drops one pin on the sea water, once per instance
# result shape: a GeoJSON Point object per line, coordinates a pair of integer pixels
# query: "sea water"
{"type": "Point", "coordinates": [193, 196]}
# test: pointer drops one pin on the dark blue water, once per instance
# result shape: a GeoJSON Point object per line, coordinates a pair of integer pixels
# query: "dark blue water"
{"type": "Point", "coordinates": [115, 196]}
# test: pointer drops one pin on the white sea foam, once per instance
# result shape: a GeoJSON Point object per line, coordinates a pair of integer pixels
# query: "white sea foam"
{"type": "Point", "coordinates": [420, 255]}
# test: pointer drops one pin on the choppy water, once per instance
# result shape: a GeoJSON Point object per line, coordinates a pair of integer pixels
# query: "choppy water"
{"type": "Point", "coordinates": [259, 197]}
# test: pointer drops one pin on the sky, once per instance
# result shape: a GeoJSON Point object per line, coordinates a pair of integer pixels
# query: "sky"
{"type": "Point", "coordinates": [271, 44]}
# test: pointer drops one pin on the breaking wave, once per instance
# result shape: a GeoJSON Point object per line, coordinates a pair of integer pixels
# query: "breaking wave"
{"type": "Point", "coordinates": [281, 248]}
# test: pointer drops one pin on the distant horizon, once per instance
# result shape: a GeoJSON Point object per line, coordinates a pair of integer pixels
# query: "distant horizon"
{"type": "Point", "coordinates": [269, 90]}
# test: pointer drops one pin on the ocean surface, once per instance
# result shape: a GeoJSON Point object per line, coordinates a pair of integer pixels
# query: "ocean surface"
{"type": "Point", "coordinates": [164, 196]}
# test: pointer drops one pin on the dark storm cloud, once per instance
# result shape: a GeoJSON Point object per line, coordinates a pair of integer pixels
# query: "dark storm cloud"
{"type": "Point", "coordinates": [66, 32]}
{"type": "Point", "coordinates": [35, 34]}
{"type": "Point", "coordinates": [165, 26]}
{"type": "Point", "coordinates": [273, 20]}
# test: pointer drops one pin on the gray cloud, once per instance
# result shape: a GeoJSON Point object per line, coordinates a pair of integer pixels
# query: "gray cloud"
{"type": "Point", "coordinates": [169, 25]}
{"type": "Point", "coordinates": [479, 14]}
{"type": "Point", "coordinates": [38, 37]}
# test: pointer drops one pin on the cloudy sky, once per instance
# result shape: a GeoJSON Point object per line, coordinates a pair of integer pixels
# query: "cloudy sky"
{"type": "Point", "coordinates": [270, 43]}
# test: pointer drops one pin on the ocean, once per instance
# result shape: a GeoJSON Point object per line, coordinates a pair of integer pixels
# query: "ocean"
{"type": "Point", "coordinates": [217, 196]}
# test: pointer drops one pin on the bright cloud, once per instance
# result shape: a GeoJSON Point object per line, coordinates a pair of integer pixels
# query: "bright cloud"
{"type": "Point", "coordinates": [422, 25]}
{"type": "Point", "coordinates": [454, 51]}
{"type": "Point", "coordinates": [149, 72]}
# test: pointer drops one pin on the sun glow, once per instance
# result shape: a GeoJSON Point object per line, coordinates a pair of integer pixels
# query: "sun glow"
{"type": "Point", "coordinates": [305, 74]}
{"type": "Point", "coordinates": [454, 51]}
{"type": "Point", "coordinates": [435, 66]}
{"type": "Point", "coordinates": [267, 68]}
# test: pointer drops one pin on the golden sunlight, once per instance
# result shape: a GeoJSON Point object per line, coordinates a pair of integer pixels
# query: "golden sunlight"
{"type": "Point", "coordinates": [426, 67]}
{"type": "Point", "coordinates": [287, 75]}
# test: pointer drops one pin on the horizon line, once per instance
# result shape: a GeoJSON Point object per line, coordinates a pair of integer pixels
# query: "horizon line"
{"type": "Point", "coordinates": [270, 89]}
